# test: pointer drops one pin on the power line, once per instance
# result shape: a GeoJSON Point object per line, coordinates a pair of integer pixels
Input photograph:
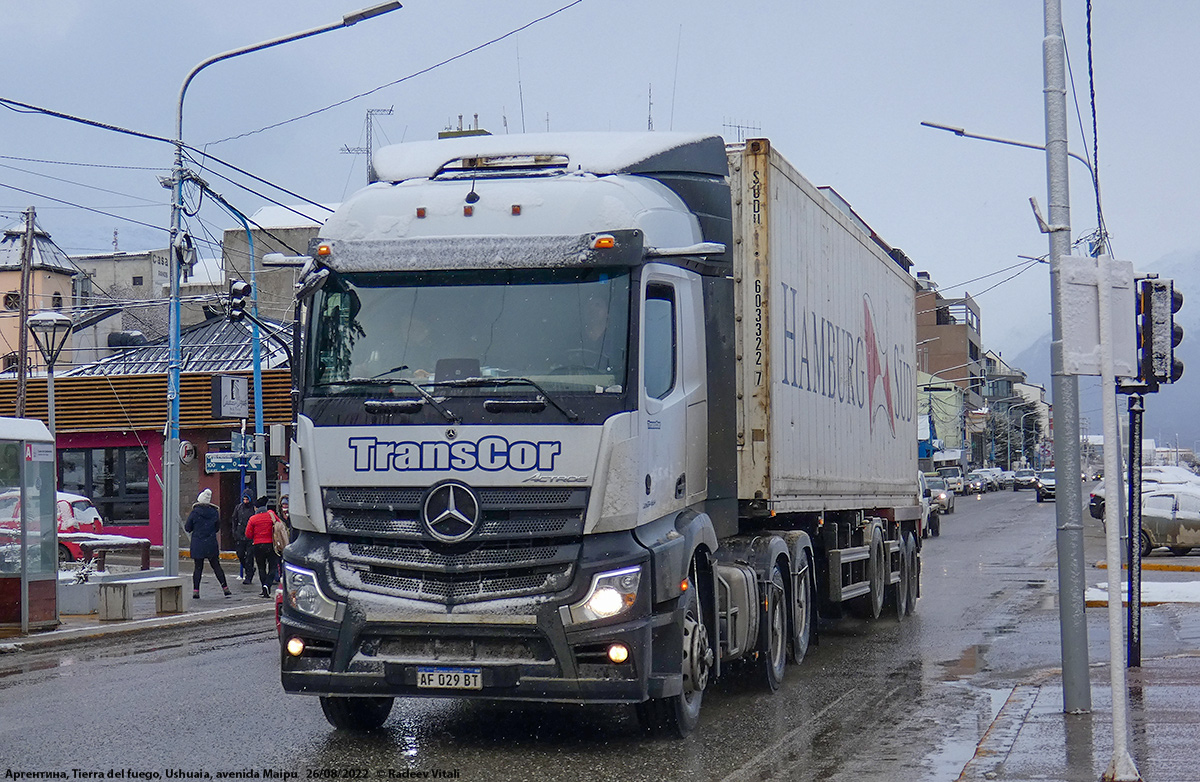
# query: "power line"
{"type": "Point", "coordinates": [421, 72]}
{"type": "Point", "coordinates": [85, 208]}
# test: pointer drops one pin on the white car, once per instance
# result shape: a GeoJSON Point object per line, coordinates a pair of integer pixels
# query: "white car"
{"type": "Point", "coordinates": [1152, 479]}
{"type": "Point", "coordinates": [1171, 518]}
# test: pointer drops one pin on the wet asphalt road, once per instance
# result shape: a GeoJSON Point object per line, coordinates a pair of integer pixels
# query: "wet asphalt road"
{"type": "Point", "coordinates": [881, 700]}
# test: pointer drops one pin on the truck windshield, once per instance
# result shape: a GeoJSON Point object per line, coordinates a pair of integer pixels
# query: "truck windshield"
{"type": "Point", "coordinates": [565, 329]}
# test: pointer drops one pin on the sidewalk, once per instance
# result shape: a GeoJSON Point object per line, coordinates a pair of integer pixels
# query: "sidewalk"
{"type": "Point", "coordinates": [212, 606]}
{"type": "Point", "coordinates": [1031, 738]}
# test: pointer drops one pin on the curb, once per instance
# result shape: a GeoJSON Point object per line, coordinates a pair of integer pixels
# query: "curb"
{"type": "Point", "coordinates": [1102, 565]}
{"type": "Point", "coordinates": [129, 627]}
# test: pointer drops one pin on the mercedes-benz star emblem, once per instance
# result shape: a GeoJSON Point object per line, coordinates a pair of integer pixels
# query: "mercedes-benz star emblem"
{"type": "Point", "coordinates": [451, 512]}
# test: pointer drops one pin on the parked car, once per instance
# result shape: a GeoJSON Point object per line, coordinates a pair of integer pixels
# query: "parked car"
{"type": "Point", "coordinates": [976, 483]}
{"type": "Point", "coordinates": [1024, 479]}
{"type": "Point", "coordinates": [75, 512]}
{"type": "Point", "coordinates": [1046, 484]}
{"type": "Point", "coordinates": [1153, 478]}
{"type": "Point", "coordinates": [1171, 518]}
{"type": "Point", "coordinates": [940, 495]}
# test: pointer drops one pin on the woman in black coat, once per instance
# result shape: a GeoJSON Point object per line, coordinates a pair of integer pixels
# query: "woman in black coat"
{"type": "Point", "coordinates": [203, 522]}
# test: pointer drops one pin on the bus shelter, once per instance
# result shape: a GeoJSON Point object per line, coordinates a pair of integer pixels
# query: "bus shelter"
{"type": "Point", "coordinates": [28, 527]}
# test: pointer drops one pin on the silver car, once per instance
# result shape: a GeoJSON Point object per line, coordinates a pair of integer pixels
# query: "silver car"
{"type": "Point", "coordinates": [1171, 518]}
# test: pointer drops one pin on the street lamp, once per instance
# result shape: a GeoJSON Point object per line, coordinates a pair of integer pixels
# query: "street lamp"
{"type": "Point", "coordinates": [178, 175]}
{"type": "Point", "coordinates": [50, 331]}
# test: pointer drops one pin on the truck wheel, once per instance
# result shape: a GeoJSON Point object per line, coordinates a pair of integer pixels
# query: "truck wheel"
{"type": "Point", "coordinates": [899, 596]}
{"type": "Point", "coordinates": [773, 640]}
{"type": "Point", "coordinates": [679, 714]}
{"type": "Point", "coordinates": [803, 617]}
{"type": "Point", "coordinates": [914, 572]}
{"type": "Point", "coordinates": [1145, 544]}
{"type": "Point", "coordinates": [64, 554]}
{"type": "Point", "coordinates": [870, 605]}
{"type": "Point", "coordinates": [356, 714]}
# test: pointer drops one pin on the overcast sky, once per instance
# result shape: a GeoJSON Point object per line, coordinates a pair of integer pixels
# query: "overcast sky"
{"type": "Point", "coordinates": [840, 86]}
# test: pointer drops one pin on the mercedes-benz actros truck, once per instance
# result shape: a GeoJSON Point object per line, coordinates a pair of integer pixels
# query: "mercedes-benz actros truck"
{"type": "Point", "coordinates": [592, 418]}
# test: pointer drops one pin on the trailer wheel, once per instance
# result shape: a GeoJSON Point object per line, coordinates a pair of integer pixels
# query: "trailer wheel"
{"type": "Point", "coordinates": [899, 597]}
{"type": "Point", "coordinates": [356, 714]}
{"type": "Point", "coordinates": [914, 572]}
{"type": "Point", "coordinates": [802, 606]}
{"type": "Point", "coordinates": [679, 714]}
{"type": "Point", "coordinates": [772, 658]}
{"type": "Point", "coordinates": [871, 604]}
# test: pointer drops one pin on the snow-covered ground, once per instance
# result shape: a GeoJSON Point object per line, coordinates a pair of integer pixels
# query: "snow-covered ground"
{"type": "Point", "coordinates": [1153, 592]}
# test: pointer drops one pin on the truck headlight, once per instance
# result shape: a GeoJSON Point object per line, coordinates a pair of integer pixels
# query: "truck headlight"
{"type": "Point", "coordinates": [303, 593]}
{"type": "Point", "coordinates": [611, 593]}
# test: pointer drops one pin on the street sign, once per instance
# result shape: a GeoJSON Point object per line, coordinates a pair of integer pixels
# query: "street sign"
{"type": "Point", "coordinates": [221, 461]}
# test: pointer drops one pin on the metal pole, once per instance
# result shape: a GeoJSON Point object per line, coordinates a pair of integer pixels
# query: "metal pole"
{"type": "Point", "coordinates": [50, 402]}
{"type": "Point", "coordinates": [178, 174]}
{"type": "Point", "coordinates": [1133, 658]}
{"type": "Point", "coordinates": [1077, 696]}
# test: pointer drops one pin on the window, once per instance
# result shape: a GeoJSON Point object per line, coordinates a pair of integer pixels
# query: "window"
{"type": "Point", "coordinates": [12, 300]}
{"type": "Point", "coordinates": [116, 479]}
{"type": "Point", "coordinates": [659, 359]}
{"type": "Point", "coordinates": [137, 282]}
{"type": "Point", "coordinates": [56, 301]}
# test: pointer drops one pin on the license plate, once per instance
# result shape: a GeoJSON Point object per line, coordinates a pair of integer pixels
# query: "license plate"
{"type": "Point", "coordinates": [450, 678]}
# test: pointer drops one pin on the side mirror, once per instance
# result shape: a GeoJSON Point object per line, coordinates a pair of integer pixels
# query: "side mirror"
{"type": "Point", "coordinates": [929, 492]}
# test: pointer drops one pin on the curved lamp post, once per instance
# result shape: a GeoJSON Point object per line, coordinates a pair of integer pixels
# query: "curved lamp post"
{"type": "Point", "coordinates": [178, 175]}
{"type": "Point", "coordinates": [50, 331]}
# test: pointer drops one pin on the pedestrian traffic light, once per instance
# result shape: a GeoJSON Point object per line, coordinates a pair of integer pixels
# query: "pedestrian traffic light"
{"type": "Point", "coordinates": [1158, 333]}
{"type": "Point", "coordinates": [239, 291]}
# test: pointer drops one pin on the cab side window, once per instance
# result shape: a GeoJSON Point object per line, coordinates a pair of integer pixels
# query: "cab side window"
{"type": "Point", "coordinates": [660, 359]}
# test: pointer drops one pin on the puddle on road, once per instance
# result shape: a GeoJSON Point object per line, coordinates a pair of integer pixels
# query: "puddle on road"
{"type": "Point", "coordinates": [962, 738]}
{"type": "Point", "coordinates": [969, 663]}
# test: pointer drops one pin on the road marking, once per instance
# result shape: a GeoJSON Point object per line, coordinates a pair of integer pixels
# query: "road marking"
{"type": "Point", "coordinates": [1156, 566]}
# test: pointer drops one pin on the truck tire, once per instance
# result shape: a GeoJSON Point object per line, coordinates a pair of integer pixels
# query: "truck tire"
{"type": "Point", "coordinates": [356, 714]}
{"type": "Point", "coordinates": [870, 605]}
{"type": "Point", "coordinates": [914, 572]}
{"type": "Point", "coordinates": [679, 714]}
{"type": "Point", "coordinates": [1146, 546]}
{"type": "Point", "coordinates": [899, 592]}
{"type": "Point", "coordinates": [773, 635]}
{"type": "Point", "coordinates": [803, 613]}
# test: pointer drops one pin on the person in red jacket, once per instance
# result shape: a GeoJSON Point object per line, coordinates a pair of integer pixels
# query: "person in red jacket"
{"type": "Point", "coordinates": [260, 532]}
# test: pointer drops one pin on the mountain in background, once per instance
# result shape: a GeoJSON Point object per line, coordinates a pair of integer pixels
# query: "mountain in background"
{"type": "Point", "coordinates": [1171, 414]}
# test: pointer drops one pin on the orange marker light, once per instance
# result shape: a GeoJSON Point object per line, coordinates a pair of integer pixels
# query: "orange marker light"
{"type": "Point", "coordinates": [420, 213]}
{"type": "Point", "coordinates": [324, 249]}
{"type": "Point", "coordinates": [604, 242]}
{"type": "Point", "coordinates": [468, 210]}
{"type": "Point", "coordinates": [516, 209]}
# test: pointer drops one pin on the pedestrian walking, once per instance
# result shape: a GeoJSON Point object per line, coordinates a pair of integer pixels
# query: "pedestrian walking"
{"type": "Point", "coordinates": [241, 515]}
{"type": "Point", "coordinates": [203, 523]}
{"type": "Point", "coordinates": [260, 529]}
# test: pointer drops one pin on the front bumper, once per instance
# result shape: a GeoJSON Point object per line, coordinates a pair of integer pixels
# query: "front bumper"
{"type": "Point", "coordinates": [524, 647]}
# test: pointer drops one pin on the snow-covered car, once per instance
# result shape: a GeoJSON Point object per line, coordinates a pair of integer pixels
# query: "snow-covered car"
{"type": "Point", "coordinates": [76, 514]}
{"type": "Point", "coordinates": [1046, 485]}
{"type": "Point", "coordinates": [1152, 478]}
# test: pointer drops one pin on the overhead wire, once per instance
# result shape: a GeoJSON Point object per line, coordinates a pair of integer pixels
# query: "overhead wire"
{"type": "Point", "coordinates": [401, 80]}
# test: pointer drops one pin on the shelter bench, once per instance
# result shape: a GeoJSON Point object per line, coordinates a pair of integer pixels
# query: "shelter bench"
{"type": "Point", "coordinates": [116, 597]}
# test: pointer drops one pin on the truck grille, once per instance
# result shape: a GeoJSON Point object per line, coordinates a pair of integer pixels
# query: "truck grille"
{"type": "Point", "coordinates": [527, 542]}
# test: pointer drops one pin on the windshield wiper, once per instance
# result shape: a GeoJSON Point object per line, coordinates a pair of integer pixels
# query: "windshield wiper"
{"type": "Point", "coordinates": [380, 381]}
{"type": "Point", "coordinates": [480, 382]}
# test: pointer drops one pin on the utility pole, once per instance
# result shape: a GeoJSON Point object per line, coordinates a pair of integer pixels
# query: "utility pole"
{"type": "Point", "coordinates": [23, 312]}
{"type": "Point", "coordinates": [1077, 695]}
{"type": "Point", "coordinates": [370, 147]}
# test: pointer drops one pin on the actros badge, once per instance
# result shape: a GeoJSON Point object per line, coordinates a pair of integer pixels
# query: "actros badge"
{"type": "Point", "coordinates": [451, 512]}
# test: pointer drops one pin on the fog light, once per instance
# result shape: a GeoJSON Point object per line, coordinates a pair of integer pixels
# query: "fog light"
{"type": "Point", "coordinates": [618, 653]}
{"type": "Point", "coordinates": [295, 647]}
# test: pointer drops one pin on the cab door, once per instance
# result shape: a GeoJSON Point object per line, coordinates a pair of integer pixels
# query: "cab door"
{"type": "Point", "coordinates": [670, 390]}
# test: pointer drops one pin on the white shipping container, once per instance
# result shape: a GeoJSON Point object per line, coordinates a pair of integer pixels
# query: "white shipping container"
{"type": "Point", "coordinates": [826, 345]}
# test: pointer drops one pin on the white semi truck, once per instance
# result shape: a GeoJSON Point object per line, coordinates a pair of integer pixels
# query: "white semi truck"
{"type": "Point", "coordinates": [592, 418]}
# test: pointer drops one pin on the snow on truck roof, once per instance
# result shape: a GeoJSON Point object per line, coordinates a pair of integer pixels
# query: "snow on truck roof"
{"type": "Point", "coordinates": [592, 152]}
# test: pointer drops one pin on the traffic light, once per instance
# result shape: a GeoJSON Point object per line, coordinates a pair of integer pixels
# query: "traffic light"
{"type": "Point", "coordinates": [1159, 334]}
{"type": "Point", "coordinates": [239, 291]}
